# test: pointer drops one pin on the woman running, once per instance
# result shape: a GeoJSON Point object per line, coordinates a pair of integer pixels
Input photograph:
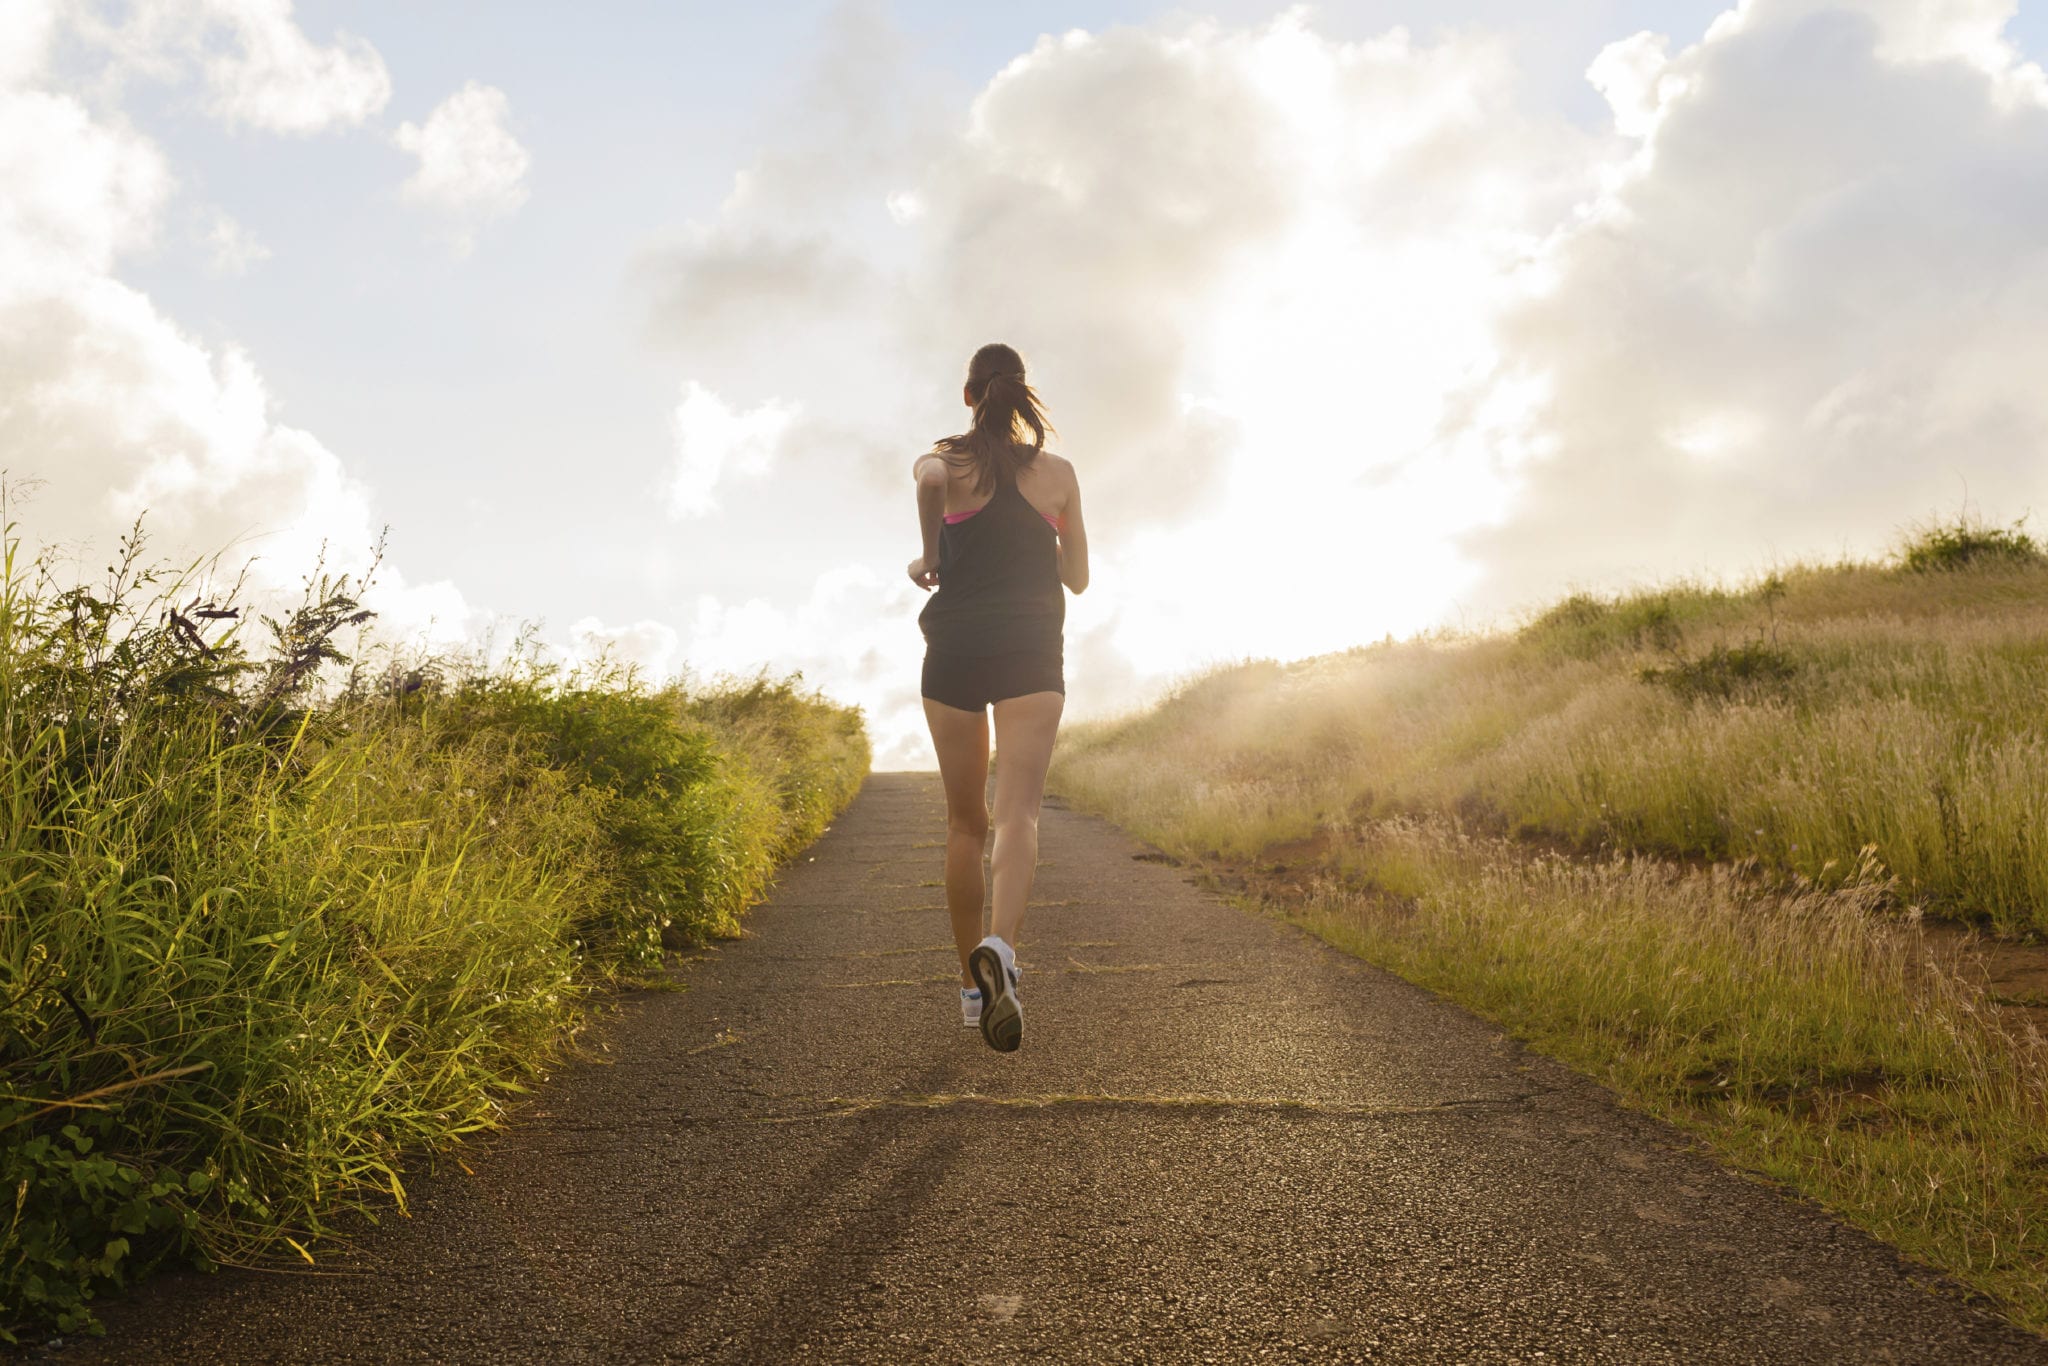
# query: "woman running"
{"type": "Point", "coordinates": [1001, 517]}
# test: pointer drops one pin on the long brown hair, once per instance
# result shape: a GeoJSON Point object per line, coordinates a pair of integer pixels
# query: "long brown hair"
{"type": "Point", "coordinates": [1005, 410]}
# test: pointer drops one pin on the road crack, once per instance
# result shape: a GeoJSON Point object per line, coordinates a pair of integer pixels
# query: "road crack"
{"type": "Point", "coordinates": [842, 1107]}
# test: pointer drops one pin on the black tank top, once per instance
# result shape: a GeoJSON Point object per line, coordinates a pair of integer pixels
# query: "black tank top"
{"type": "Point", "coordinates": [999, 582]}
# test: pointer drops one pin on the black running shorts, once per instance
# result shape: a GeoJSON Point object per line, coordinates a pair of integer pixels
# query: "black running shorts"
{"type": "Point", "coordinates": [971, 682]}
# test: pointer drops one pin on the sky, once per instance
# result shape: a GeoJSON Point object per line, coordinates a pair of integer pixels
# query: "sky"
{"type": "Point", "coordinates": [1356, 319]}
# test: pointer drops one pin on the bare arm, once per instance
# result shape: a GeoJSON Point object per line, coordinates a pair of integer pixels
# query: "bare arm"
{"type": "Point", "coordinates": [931, 515]}
{"type": "Point", "coordinates": [1073, 540]}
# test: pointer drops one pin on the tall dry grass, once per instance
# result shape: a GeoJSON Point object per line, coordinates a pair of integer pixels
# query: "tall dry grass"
{"type": "Point", "coordinates": [1898, 712]}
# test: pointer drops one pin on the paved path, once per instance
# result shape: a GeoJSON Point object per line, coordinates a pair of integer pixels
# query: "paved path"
{"type": "Point", "coordinates": [1221, 1141]}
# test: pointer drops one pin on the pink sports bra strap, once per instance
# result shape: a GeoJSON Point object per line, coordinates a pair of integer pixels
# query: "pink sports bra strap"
{"type": "Point", "coordinates": [955, 518]}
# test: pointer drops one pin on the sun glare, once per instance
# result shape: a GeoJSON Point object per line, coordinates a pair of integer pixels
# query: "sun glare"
{"type": "Point", "coordinates": [1335, 358]}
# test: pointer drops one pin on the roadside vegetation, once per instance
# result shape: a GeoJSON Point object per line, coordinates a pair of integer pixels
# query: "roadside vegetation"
{"type": "Point", "coordinates": [1726, 849]}
{"type": "Point", "coordinates": [273, 921]}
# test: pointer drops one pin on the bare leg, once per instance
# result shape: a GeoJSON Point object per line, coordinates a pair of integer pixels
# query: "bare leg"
{"type": "Point", "coordinates": [1025, 729]}
{"type": "Point", "coordinates": [961, 739]}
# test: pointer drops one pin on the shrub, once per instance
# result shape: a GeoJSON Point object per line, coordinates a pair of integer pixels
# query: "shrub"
{"type": "Point", "coordinates": [1582, 626]}
{"type": "Point", "coordinates": [1723, 673]}
{"type": "Point", "coordinates": [1967, 543]}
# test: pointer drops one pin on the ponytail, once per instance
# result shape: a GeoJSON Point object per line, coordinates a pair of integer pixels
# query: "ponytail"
{"type": "Point", "coordinates": [1005, 410]}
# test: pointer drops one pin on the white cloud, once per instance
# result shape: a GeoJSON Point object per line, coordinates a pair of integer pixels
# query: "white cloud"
{"type": "Point", "coordinates": [1340, 335]}
{"type": "Point", "coordinates": [651, 647]}
{"type": "Point", "coordinates": [715, 443]}
{"type": "Point", "coordinates": [742, 284]}
{"type": "Point", "coordinates": [259, 68]}
{"type": "Point", "coordinates": [280, 81]}
{"type": "Point", "coordinates": [26, 29]}
{"type": "Point", "coordinates": [1252, 269]}
{"type": "Point", "coordinates": [471, 167]}
{"type": "Point", "coordinates": [1347, 315]}
{"type": "Point", "coordinates": [231, 248]}
{"type": "Point", "coordinates": [852, 636]}
{"type": "Point", "coordinates": [431, 616]}
{"type": "Point", "coordinates": [1628, 74]}
{"type": "Point", "coordinates": [1808, 307]}
{"type": "Point", "coordinates": [114, 408]}
{"type": "Point", "coordinates": [78, 193]}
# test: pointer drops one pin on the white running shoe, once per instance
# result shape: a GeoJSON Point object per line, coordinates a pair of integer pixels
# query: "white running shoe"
{"type": "Point", "coordinates": [993, 965]}
{"type": "Point", "coordinates": [970, 1006]}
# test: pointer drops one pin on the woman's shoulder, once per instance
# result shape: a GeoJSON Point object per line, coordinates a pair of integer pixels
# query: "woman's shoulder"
{"type": "Point", "coordinates": [1055, 464]}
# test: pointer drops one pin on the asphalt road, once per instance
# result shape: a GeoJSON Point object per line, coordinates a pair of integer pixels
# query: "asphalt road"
{"type": "Point", "coordinates": [1221, 1141]}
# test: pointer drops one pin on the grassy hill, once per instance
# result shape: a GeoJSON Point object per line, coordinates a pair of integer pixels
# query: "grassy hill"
{"type": "Point", "coordinates": [1694, 840]}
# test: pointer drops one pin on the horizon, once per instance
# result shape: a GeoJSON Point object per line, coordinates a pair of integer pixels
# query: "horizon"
{"type": "Point", "coordinates": [1359, 320]}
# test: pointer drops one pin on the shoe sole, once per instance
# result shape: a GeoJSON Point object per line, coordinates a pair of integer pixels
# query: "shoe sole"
{"type": "Point", "coordinates": [1002, 1019]}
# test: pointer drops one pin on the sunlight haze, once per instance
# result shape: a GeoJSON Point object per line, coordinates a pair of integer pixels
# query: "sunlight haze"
{"type": "Point", "coordinates": [1355, 319]}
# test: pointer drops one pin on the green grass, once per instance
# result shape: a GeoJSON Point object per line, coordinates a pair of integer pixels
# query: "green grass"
{"type": "Point", "coordinates": [1685, 840]}
{"type": "Point", "coordinates": [1808, 1035]}
{"type": "Point", "coordinates": [269, 924]}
